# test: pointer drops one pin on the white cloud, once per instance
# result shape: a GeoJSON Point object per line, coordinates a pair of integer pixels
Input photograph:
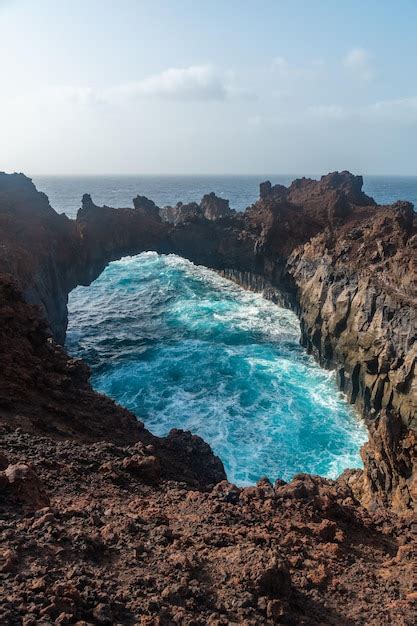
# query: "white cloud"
{"type": "Point", "coordinates": [197, 82]}
{"type": "Point", "coordinates": [395, 108]}
{"type": "Point", "coordinates": [357, 61]}
{"type": "Point", "coordinates": [49, 98]}
{"type": "Point", "coordinates": [386, 113]}
{"type": "Point", "coordinates": [402, 110]}
{"type": "Point", "coordinates": [71, 94]}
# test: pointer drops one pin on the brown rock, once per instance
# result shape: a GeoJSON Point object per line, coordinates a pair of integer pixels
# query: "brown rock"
{"type": "Point", "coordinates": [327, 530]}
{"type": "Point", "coordinates": [4, 461]}
{"type": "Point", "coordinates": [148, 467]}
{"type": "Point", "coordinates": [275, 610]}
{"type": "Point", "coordinates": [275, 580]}
{"type": "Point", "coordinates": [319, 575]}
{"type": "Point", "coordinates": [26, 486]}
{"type": "Point", "coordinates": [102, 614]}
{"type": "Point", "coordinates": [8, 559]}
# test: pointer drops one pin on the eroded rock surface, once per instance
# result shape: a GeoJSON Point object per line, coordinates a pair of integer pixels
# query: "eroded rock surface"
{"type": "Point", "coordinates": [210, 208]}
{"type": "Point", "coordinates": [116, 546]}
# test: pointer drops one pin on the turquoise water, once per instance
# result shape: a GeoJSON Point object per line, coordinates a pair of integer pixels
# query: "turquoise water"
{"type": "Point", "coordinates": [182, 347]}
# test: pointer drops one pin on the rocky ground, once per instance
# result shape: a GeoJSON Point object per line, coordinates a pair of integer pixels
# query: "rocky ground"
{"type": "Point", "coordinates": [91, 534]}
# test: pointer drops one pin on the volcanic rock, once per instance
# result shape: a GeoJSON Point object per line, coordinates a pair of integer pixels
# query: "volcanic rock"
{"type": "Point", "coordinates": [23, 483]}
{"type": "Point", "coordinates": [214, 207]}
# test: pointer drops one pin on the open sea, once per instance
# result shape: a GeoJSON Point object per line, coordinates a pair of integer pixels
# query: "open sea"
{"type": "Point", "coordinates": [182, 347]}
{"type": "Point", "coordinates": [65, 192]}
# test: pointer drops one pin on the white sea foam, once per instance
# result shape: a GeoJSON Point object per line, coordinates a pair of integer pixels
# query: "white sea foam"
{"type": "Point", "coordinates": [184, 347]}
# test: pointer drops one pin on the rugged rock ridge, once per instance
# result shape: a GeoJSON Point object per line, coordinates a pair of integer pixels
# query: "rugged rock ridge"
{"type": "Point", "coordinates": [348, 268]}
{"type": "Point", "coordinates": [356, 295]}
{"type": "Point", "coordinates": [211, 207]}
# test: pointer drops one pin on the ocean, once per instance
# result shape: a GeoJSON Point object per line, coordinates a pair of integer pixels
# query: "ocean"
{"type": "Point", "coordinates": [184, 348]}
{"type": "Point", "coordinates": [65, 192]}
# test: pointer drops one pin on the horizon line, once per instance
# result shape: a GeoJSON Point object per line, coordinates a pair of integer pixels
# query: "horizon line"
{"type": "Point", "coordinates": [207, 175]}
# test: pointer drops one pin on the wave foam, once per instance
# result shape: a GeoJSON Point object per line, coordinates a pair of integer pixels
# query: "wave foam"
{"type": "Point", "coordinates": [184, 347]}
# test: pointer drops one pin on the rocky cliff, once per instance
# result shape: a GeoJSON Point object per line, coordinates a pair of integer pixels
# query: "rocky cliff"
{"type": "Point", "coordinates": [356, 298]}
{"type": "Point", "coordinates": [346, 266]}
{"type": "Point", "coordinates": [104, 523]}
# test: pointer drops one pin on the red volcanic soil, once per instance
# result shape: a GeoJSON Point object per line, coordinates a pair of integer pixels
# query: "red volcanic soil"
{"type": "Point", "coordinates": [113, 543]}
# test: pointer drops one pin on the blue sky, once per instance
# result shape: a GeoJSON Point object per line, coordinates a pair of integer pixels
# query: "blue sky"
{"type": "Point", "coordinates": [232, 86]}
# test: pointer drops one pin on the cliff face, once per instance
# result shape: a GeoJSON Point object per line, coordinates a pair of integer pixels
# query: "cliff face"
{"type": "Point", "coordinates": [346, 266]}
{"type": "Point", "coordinates": [40, 248]}
{"type": "Point", "coordinates": [49, 254]}
{"type": "Point", "coordinates": [356, 297]}
{"type": "Point", "coordinates": [348, 269]}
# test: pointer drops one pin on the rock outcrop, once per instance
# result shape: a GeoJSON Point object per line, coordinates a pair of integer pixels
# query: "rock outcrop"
{"type": "Point", "coordinates": [180, 213]}
{"type": "Point", "coordinates": [210, 208]}
{"type": "Point", "coordinates": [357, 304]}
{"type": "Point", "coordinates": [147, 207]}
{"type": "Point", "coordinates": [214, 207]}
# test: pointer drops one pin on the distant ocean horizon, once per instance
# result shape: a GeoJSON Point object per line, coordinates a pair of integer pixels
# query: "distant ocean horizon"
{"type": "Point", "coordinates": [65, 192]}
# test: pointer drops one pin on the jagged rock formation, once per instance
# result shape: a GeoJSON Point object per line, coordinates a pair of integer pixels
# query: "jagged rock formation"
{"type": "Point", "coordinates": [180, 213]}
{"type": "Point", "coordinates": [356, 294]}
{"type": "Point", "coordinates": [211, 208]}
{"type": "Point", "coordinates": [349, 270]}
{"type": "Point", "coordinates": [214, 207]}
{"type": "Point", "coordinates": [147, 207]}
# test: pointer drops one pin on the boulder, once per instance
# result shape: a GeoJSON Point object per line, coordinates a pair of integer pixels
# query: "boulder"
{"type": "Point", "coordinates": [25, 485]}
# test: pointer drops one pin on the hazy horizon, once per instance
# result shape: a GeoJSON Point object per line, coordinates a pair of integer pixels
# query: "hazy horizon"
{"type": "Point", "coordinates": [203, 174]}
{"type": "Point", "coordinates": [208, 89]}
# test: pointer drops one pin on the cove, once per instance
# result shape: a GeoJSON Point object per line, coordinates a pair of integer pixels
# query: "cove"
{"type": "Point", "coordinates": [185, 348]}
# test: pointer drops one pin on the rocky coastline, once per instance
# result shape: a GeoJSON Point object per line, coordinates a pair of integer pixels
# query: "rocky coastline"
{"type": "Point", "coordinates": [79, 468]}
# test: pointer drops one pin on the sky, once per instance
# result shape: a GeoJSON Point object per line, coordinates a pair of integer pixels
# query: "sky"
{"type": "Point", "coordinates": [215, 87]}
